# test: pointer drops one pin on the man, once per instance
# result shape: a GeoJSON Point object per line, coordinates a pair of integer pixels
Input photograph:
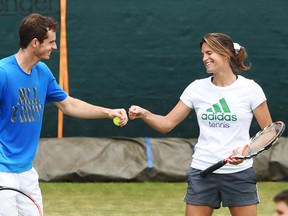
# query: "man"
{"type": "Point", "coordinates": [26, 85]}
{"type": "Point", "coordinates": [281, 203]}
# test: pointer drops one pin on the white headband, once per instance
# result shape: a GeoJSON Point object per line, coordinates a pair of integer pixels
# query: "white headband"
{"type": "Point", "coordinates": [237, 47]}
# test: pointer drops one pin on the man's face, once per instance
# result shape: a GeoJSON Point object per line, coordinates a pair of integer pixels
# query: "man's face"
{"type": "Point", "coordinates": [281, 209]}
{"type": "Point", "coordinates": [49, 44]}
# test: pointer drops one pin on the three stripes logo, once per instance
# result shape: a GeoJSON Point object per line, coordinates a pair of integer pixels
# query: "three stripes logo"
{"type": "Point", "coordinates": [219, 112]}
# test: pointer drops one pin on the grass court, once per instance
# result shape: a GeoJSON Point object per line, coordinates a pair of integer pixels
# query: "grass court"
{"type": "Point", "coordinates": [134, 199]}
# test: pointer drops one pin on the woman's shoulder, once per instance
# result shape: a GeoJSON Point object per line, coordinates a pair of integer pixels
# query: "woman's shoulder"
{"type": "Point", "coordinates": [201, 81]}
{"type": "Point", "coordinates": [247, 81]}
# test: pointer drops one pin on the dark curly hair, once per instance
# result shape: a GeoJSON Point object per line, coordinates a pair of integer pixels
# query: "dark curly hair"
{"type": "Point", "coordinates": [35, 26]}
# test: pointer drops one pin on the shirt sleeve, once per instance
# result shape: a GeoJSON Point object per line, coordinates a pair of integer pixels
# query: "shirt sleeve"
{"type": "Point", "coordinates": [54, 92]}
{"type": "Point", "coordinates": [257, 95]}
{"type": "Point", "coordinates": [186, 96]}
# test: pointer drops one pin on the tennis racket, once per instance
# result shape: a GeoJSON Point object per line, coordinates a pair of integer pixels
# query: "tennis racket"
{"type": "Point", "coordinates": [15, 202]}
{"type": "Point", "coordinates": [262, 141]}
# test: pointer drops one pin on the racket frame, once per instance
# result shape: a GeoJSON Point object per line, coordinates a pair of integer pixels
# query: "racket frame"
{"type": "Point", "coordinates": [274, 139]}
{"type": "Point", "coordinates": [26, 195]}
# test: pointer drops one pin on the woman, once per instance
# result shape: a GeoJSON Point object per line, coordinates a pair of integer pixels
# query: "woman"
{"type": "Point", "coordinates": [224, 104]}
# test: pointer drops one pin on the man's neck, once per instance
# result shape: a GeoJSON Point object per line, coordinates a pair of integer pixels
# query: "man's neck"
{"type": "Point", "coordinates": [25, 60]}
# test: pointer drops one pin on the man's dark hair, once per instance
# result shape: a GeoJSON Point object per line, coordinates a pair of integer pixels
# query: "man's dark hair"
{"type": "Point", "coordinates": [35, 26]}
{"type": "Point", "coordinates": [282, 196]}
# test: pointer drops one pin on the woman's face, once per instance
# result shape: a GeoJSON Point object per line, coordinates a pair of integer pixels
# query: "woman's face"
{"type": "Point", "coordinates": [213, 61]}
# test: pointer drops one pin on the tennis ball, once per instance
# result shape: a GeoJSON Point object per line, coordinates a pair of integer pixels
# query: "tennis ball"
{"type": "Point", "coordinates": [116, 121]}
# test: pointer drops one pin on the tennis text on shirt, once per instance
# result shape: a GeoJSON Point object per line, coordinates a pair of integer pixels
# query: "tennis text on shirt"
{"type": "Point", "coordinates": [219, 112]}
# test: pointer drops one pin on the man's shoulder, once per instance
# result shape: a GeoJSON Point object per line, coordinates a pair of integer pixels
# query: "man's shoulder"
{"type": "Point", "coordinates": [6, 60]}
{"type": "Point", "coordinates": [42, 68]}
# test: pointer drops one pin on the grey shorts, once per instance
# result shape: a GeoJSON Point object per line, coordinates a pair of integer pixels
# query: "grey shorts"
{"type": "Point", "coordinates": [234, 189]}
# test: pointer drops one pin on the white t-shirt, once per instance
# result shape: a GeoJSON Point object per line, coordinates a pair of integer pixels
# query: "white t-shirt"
{"type": "Point", "coordinates": [224, 116]}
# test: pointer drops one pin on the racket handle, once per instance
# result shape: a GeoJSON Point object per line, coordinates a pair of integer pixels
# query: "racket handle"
{"type": "Point", "coordinates": [212, 168]}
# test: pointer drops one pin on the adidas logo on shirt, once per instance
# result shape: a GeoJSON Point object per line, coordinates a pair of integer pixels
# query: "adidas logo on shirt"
{"type": "Point", "coordinates": [219, 112]}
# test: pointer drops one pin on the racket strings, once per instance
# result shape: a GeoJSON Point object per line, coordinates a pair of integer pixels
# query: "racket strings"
{"type": "Point", "coordinates": [14, 203]}
{"type": "Point", "coordinates": [262, 140]}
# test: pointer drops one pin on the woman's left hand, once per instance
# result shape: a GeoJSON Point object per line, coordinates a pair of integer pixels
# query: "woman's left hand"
{"type": "Point", "coordinates": [235, 161]}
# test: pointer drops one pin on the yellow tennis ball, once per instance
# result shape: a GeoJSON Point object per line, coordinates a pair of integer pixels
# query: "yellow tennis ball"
{"type": "Point", "coordinates": [116, 121]}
